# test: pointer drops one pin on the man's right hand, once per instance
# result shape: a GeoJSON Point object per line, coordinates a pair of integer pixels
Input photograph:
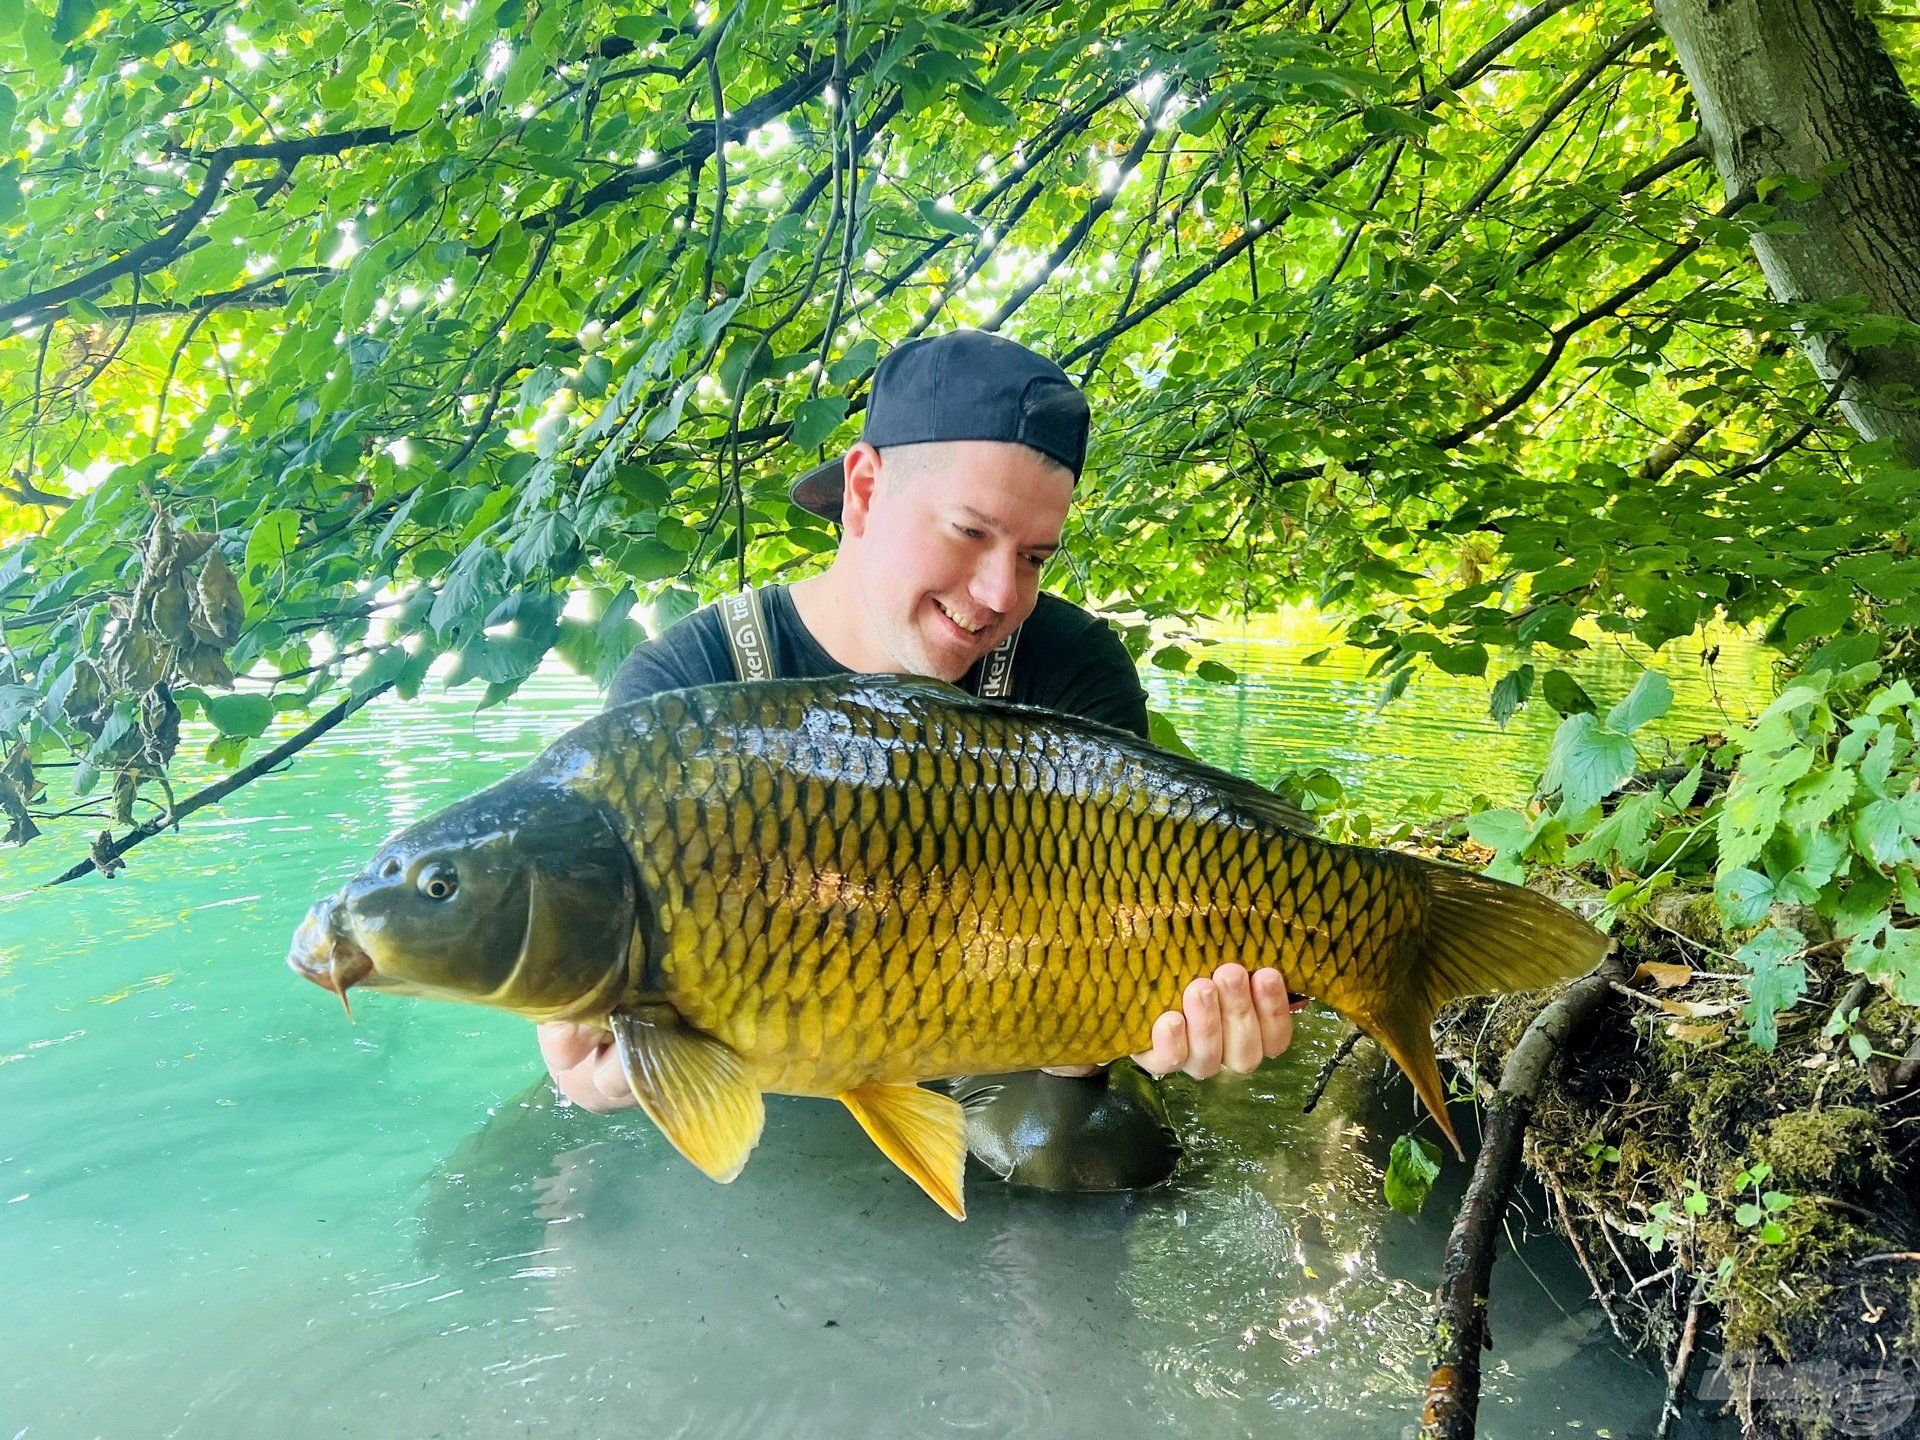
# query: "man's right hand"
{"type": "Point", "coordinates": [585, 1066]}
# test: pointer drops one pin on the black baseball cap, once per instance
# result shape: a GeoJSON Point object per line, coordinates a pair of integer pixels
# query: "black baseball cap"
{"type": "Point", "coordinates": [964, 385]}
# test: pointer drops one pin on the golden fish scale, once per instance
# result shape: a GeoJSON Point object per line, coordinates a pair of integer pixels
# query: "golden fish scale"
{"type": "Point", "coordinates": [916, 888]}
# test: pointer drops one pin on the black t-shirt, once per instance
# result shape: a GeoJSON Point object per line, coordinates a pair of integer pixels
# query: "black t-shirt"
{"type": "Point", "coordinates": [1065, 660]}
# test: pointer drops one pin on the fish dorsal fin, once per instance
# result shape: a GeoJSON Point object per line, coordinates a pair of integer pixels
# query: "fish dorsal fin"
{"type": "Point", "coordinates": [921, 1131]}
{"type": "Point", "coordinates": [693, 1087]}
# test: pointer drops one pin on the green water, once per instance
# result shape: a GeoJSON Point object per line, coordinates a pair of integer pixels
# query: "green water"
{"type": "Point", "coordinates": [225, 1212]}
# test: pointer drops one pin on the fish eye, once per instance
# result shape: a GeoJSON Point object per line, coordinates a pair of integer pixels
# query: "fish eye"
{"type": "Point", "coordinates": [438, 882]}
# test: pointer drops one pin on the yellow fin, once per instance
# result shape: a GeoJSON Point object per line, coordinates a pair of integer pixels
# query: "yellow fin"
{"type": "Point", "coordinates": [1483, 936]}
{"type": "Point", "coordinates": [1411, 1047]}
{"type": "Point", "coordinates": [693, 1087]}
{"type": "Point", "coordinates": [921, 1131]}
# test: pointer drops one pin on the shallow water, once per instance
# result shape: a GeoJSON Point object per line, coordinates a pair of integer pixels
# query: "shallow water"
{"type": "Point", "coordinates": [225, 1212]}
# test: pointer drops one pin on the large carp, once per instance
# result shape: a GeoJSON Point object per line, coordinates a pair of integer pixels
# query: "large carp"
{"type": "Point", "coordinates": [843, 887]}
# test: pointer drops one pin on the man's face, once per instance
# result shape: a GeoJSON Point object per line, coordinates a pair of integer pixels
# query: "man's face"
{"type": "Point", "coordinates": [951, 541]}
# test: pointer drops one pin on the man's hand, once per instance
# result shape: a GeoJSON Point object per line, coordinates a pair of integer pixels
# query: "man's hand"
{"type": "Point", "coordinates": [585, 1066]}
{"type": "Point", "coordinates": [1233, 1021]}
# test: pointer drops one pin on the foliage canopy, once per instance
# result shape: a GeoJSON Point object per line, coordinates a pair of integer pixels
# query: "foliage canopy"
{"type": "Point", "coordinates": [344, 337]}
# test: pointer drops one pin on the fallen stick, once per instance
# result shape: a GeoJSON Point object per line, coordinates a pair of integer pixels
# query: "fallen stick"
{"type": "Point", "coordinates": [106, 854]}
{"type": "Point", "coordinates": [1353, 1038]}
{"type": "Point", "coordinates": [1682, 1360]}
{"type": "Point", "coordinates": [1460, 1310]}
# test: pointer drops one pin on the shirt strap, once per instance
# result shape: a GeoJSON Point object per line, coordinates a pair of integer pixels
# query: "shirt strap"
{"type": "Point", "coordinates": [744, 622]}
{"type": "Point", "coordinates": [996, 672]}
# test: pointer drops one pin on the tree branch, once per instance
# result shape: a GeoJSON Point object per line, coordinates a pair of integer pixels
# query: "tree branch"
{"type": "Point", "coordinates": [213, 794]}
{"type": "Point", "coordinates": [162, 247]}
{"type": "Point", "coordinates": [1460, 1312]}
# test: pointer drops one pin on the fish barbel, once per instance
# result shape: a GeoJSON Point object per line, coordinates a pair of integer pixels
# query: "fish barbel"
{"type": "Point", "coordinates": [844, 887]}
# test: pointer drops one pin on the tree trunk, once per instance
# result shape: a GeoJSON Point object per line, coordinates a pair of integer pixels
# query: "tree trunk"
{"type": "Point", "coordinates": [1806, 89]}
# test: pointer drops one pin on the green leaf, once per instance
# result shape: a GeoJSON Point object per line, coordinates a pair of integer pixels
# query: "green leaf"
{"type": "Point", "coordinates": [1161, 732]}
{"type": "Point", "coordinates": [1506, 830]}
{"type": "Point", "coordinates": [1563, 693]}
{"type": "Point", "coordinates": [1461, 659]}
{"type": "Point", "coordinates": [1412, 1167]}
{"type": "Point", "coordinates": [854, 363]}
{"type": "Point", "coordinates": [1779, 980]}
{"type": "Point", "coordinates": [242, 715]}
{"type": "Point", "coordinates": [273, 538]}
{"type": "Point", "coordinates": [1744, 895]}
{"type": "Point", "coordinates": [1879, 832]}
{"type": "Point", "coordinates": [1513, 690]}
{"type": "Point", "coordinates": [1650, 698]}
{"type": "Point", "coordinates": [953, 222]}
{"type": "Point", "coordinates": [1587, 762]}
{"type": "Point", "coordinates": [1170, 657]}
{"type": "Point", "coordinates": [815, 420]}
{"type": "Point", "coordinates": [647, 559]}
{"type": "Point", "coordinates": [1214, 671]}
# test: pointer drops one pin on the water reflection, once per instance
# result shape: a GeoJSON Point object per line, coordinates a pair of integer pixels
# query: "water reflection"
{"type": "Point", "coordinates": [1438, 740]}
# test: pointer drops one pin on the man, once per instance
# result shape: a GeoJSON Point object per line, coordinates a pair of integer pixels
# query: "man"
{"type": "Point", "coordinates": [950, 506]}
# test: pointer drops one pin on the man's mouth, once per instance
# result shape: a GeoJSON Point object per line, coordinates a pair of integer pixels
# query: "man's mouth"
{"type": "Point", "coordinates": [977, 626]}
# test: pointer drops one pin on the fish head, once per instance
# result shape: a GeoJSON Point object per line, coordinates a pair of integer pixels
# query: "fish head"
{"type": "Point", "coordinates": [521, 897]}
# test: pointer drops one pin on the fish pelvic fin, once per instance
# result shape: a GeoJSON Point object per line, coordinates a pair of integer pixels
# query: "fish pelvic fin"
{"type": "Point", "coordinates": [695, 1088]}
{"type": "Point", "coordinates": [921, 1131]}
{"type": "Point", "coordinates": [1483, 936]}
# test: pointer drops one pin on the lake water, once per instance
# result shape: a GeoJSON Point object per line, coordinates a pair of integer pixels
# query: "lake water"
{"type": "Point", "coordinates": [223, 1211]}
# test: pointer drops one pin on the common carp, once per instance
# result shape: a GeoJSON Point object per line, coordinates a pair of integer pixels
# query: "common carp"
{"type": "Point", "coordinates": [844, 887]}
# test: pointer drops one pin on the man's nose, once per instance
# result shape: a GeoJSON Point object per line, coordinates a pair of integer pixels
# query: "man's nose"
{"type": "Point", "coordinates": [996, 582]}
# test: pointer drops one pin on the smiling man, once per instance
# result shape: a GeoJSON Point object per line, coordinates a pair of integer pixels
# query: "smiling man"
{"type": "Point", "coordinates": [950, 506]}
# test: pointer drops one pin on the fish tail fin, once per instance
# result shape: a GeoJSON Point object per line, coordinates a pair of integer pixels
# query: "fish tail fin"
{"type": "Point", "coordinates": [1482, 936]}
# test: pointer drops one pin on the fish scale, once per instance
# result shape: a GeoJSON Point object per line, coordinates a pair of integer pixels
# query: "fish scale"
{"type": "Point", "coordinates": [1052, 950]}
{"type": "Point", "coordinates": [844, 887]}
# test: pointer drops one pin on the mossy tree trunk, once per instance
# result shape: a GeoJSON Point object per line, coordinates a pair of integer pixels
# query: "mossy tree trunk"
{"type": "Point", "coordinates": [1805, 89]}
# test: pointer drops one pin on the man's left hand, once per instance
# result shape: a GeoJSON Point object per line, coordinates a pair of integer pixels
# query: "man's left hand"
{"type": "Point", "coordinates": [1232, 1021]}
{"type": "Point", "coordinates": [1229, 1021]}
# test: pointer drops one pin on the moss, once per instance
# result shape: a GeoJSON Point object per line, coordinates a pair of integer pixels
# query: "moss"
{"type": "Point", "coordinates": [1820, 1150]}
{"type": "Point", "coordinates": [1687, 1113]}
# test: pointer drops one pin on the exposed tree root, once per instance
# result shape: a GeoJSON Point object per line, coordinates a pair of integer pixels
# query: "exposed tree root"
{"type": "Point", "coordinates": [1460, 1321]}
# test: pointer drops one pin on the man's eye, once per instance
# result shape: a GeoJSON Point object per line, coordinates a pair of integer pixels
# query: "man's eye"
{"type": "Point", "coordinates": [969, 532]}
{"type": "Point", "coordinates": [1036, 561]}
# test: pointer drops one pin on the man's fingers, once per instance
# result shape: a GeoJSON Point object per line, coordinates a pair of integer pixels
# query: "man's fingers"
{"type": "Point", "coordinates": [1169, 1050]}
{"type": "Point", "coordinates": [1270, 1003]}
{"type": "Point", "coordinates": [564, 1044]}
{"type": "Point", "coordinates": [1201, 1003]}
{"type": "Point", "coordinates": [1240, 1034]}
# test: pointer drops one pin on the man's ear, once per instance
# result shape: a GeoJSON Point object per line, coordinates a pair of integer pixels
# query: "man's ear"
{"type": "Point", "coordinates": [862, 471]}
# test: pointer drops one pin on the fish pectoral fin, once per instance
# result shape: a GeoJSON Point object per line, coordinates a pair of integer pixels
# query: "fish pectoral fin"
{"type": "Point", "coordinates": [921, 1131]}
{"type": "Point", "coordinates": [693, 1087]}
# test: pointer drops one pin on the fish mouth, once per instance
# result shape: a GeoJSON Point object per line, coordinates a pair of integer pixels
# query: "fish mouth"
{"type": "Point", "coordinates": [325, 952]}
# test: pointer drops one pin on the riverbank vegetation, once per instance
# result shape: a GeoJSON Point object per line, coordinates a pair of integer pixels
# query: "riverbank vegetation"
{"type": "Point", "coordinates": [343, 338]}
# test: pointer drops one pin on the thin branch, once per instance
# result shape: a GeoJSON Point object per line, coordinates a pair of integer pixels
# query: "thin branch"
{"type": "Point", "coordinates": [1071, 242]}
{"type": "Point", "coordinates": [1462, 75]}
{"type": "Point", "coordinates": [720, 174]}
{"type": "Point", "coordinates": [1632, 40]}
{"type": "Point", "coordinates": [160, 250]}
{"type": "Point", "coordinates": [213, 794]}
